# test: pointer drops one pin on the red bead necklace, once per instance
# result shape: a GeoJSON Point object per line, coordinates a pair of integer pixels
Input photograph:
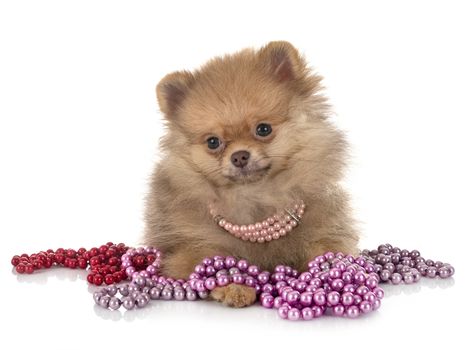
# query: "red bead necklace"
{"type": "Point", "coordinates": [104, 262]}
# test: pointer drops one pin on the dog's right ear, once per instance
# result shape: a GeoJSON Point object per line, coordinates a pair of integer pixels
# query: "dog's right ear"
{"type": "Point", "coordinates": [172, 90]}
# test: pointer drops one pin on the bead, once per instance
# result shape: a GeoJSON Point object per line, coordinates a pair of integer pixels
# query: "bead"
{"type": "Point", "coordinates": [408, 278]}
{"type": "Point", "coordinates": [235, 230]}
{"type": "Point", "coordinates": [135, 295]}
{"type": "Point", "coordinates": [112, 290]}
{"type": "Point", "coordinates": [140, 281]}
{"type": "Point", "coordinates": [267, 301]}
{"type": "Point", "coordinates": [379, 293]}
{"type": "Point", "coordinates": [104, 301]}
{"type": "Point", "coordinates": [385, 275]}
{"type": "Point", "coordinates": [352, 311]}
{"type": "Point", "coordinates": [347, 299]}
{"type": "Point", "coordinates": [98, 279]}
{"type": "Point", "coordinates": [223, 280]}
{"type": "Point", "coordinates": [318, 311]}
{"type": "Point", "coordinates": [294, 314]}
{"type": "Point", "coordinates": [203, 294]}
{"type": "Point", "coordinates": [242, 265]}
{"type": "Point", "coordinates": [307, 314]}
{"type": "Point", "coordinates": [191, 295]}
{"type": "Point", "coordinates": [365, 306]}
{"type": "Point", "coordinates": [20, 268]}
{"type": "Point", "coordinates": [167, 294]}
{"type": "Point", "coordinates": [263, 277]}
{"type": "Point", "coordinates": [306, 298]}
{"type": "Point", "coordinates": [396, 278]}
{"type": "Point", "coordinates": [218, 264]}
{"type": "Point", "coordinates": [154, 293]}
{"type": "Point", "coordinates": [293, 297]}
{"type": "Point", "coordinates": [250, 281]}
{"type": "Point", "coordinates": [179, 294]}
{"type": "Point", "coordinates": [319, 299]}
{"type": "Point", "coordinates": [253, 270]}
{"type": "Point", "coordinates": [338, 310]}
{"type": "Point", "coordinates": [210, 283]}
{"type": "Point", "coordinates": [443, 272]}
{"type": "Point", "coordinates": [283, 311]}
{"type": "Point", "coordinates": [97, 296]}
{"type": "Point", "coordinates": [114, 303]}
{"type": "Point", "coordinates": [337, 285]}
{"type": "Point", "coordinates": [431, 271]}
{"type": "Point", "coordinates": [230, 262]}
{"type": "Point", "coordinates": [128, 303]}
{"type": "Point", "coordinates": [333, 298]}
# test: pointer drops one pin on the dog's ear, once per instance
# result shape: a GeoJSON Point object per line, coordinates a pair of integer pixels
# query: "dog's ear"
{"type": "Point", "coordinates": [282, 60]}
{"type": "Point", "coordinates": [172, 90]}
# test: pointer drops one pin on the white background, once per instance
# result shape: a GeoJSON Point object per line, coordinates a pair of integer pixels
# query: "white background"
{"type": "Point", "coordinates": [79, 127]}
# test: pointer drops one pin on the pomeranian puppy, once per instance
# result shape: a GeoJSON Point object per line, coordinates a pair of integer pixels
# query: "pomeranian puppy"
{"type": "Point", "coordinates": [248, 136]}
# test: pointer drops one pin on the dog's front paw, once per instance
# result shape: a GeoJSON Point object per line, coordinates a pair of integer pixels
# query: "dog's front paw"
{"type": "Point", "coordinates": [235, 295]}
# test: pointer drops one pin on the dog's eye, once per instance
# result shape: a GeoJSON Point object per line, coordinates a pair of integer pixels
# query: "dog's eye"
{"type": "Point", "coordinates": [213, 142]}
{"type": "Point", "coordinates": [264, 129]}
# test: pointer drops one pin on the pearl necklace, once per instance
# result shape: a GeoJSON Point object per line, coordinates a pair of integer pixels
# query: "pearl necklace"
{"type": "Point", "coordinates": [272, 228]}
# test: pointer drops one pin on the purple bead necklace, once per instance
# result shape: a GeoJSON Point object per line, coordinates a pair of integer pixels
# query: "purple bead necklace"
{"type": "Point", "coordinates": [337, 284]}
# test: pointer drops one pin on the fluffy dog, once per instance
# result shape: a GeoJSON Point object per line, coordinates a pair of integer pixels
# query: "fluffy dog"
{"type": "Point", "coordinates": [248, 132]}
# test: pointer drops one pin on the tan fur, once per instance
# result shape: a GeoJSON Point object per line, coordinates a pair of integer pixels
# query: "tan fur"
{"type": "Point", "coordinates": [227, 98]}
{"type": "Point", "coordinates": [235, 295]}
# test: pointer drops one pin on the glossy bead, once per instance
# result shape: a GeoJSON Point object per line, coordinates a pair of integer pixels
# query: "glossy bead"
{"type": "Point", "coordinates": [307, 314]}
{"type": "Point", "coordinates": [347, 299]}
{"type": "Point", "coordinates": [267, 301]}
{"type": "Point", "coordinates": [104, 301]}
{"type": "Point", "coordinates": [333, 298]}
{"type": "Point", "coordinates": [114, 303]}
{"type": "Point", "coordinates": [352, 311]}
{"type": "Point", "coordinates": [128, 303]}
{"type": "Point", "coordinates": [294, 314]}
{"type": "Point", "coordinates": [396, 278]}
{"type": "Point", "coordinates": [338, 310]}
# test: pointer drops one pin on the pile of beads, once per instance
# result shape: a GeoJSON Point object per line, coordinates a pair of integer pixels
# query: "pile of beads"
{"type": "Point", "coordinates": [103, 261]}
{"type": "Point", "coordinates": [337, 284]}
{"type": "Point", "coordinates": [219, 272]}
{"type": "Point", "coordinates": [396, 265]}
{"type": "Point", "coordinates": [139, 295]}
{"type": "Point", "coordinates": [142, 265]}
{"type": "Point", "coordinates": [334, 281]}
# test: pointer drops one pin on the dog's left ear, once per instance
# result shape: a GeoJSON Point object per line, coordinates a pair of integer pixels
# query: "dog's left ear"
{"type": "Point", "coordinates": [172, 90]}
{"type": "Point", "coordinates": [283, 62]}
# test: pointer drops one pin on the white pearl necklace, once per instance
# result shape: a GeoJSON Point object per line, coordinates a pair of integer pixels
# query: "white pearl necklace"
{"type": "Point", "coordinates": [272, 228]}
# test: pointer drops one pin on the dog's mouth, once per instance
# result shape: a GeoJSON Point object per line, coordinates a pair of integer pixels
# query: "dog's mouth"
{"type": "Point", "coordinates": [246, 175]}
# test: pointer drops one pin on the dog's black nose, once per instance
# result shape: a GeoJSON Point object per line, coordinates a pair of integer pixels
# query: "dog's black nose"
{"type": "Point", "coordinates": [240, 158]}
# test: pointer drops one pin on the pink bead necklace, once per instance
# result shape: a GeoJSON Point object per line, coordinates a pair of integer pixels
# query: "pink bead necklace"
{"type": "Point", "coordinates": [271, 228]}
